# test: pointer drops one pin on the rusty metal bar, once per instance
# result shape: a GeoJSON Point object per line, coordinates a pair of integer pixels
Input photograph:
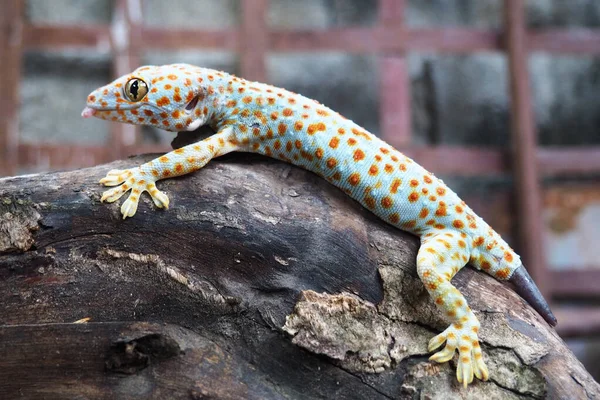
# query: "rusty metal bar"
{"type": "Point", "coordinates": [571, 41]}
{"type": "Point", "coordinates": [52, 36]}
{"type": "Point", "coordinates": [125, 40]}
{"type": "Point", "coordinates": [158, 38]}
{"type": "Point", "coordinates": [253, 39]}
{"type": "Point", "coordinates": [11, 47]}
{"type": "Point", "coordinates": [524, 143]}
{"type": "Point", "coordinates": [352, 40]}
{"type": "Point", "coordinates": [555, 161]}
{"type": "Point", "coordinates": [394, 82]}
{"type": "Point", "coordinates": [578, 321]}
{"type": "Point", "coordinates": [575, 283]}
{"type": "Point", "coordinates": [452, 160]}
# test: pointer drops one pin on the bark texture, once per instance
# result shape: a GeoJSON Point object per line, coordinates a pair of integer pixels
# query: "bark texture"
{"type": "Point", "coordinates": [261, 281]}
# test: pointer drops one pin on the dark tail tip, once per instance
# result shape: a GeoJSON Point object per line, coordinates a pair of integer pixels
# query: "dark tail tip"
{"type": "Point", "coordinates": [527, 289]}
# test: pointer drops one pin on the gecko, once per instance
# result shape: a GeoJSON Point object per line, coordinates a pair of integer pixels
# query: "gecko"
{"type": "Point", "coordinates": [256, 117]}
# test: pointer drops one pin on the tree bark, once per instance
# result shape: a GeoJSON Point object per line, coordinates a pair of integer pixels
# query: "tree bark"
{"type": "Point", "coordinates": [261, 281]}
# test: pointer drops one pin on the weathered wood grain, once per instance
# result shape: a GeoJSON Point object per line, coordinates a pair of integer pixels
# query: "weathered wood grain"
{"type": "Point", "coordinates": [190, 302]}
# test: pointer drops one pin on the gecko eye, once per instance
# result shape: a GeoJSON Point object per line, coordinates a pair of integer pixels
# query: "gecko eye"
{"type": "Point", "coordinates": [136, 89]}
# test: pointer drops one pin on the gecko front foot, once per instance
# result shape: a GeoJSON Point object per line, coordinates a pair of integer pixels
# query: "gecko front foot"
{"type": "Point", "coordinates": [137, 181]}
{"type": "Point", "coordinates": [461, 337]}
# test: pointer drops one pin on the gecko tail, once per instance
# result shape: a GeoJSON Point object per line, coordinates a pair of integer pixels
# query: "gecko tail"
{"type": "Point", "coordinates": [527, 289]}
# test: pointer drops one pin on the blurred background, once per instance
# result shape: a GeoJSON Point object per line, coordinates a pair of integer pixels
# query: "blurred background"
{"type": "Point", "coordinates": [500, 98]}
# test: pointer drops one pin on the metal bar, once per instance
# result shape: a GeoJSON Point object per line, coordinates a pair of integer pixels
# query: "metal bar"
{"type": "Point", "coordinates": [253, 39]}
{"type": "Point", "coordinates": [395, 100]}
{"type": "Point", "coordinates": [571, 41]}
{"type": "Point", "coordinates": [556, 161]}
{"type": "Point", "coordinates": [394, 82]}
{"type": "Point", "coordinates": [352, 40]}
{"type": "Point", "coordinates": [578, 321]}
{"type": "Point", "coordinates": [65, 156]}
{"type": "Point", "coordinates": [52, 36]}
{"type": "Point", "coordinates": [125, 39]}
{"type": "Point", "coordinates": [576, 283]}
{"type": "Point", "coordinates": [11, 47]}
{"type": "Point", "coordinates": [524, 147]}
{"type": "Point", "coordinates": [158, 38]}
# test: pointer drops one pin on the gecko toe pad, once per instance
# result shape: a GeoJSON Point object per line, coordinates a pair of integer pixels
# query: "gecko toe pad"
{"type": "Point", "coordinates": [461, 337]}
{"type": "Point", "coordinates": [137, 182]}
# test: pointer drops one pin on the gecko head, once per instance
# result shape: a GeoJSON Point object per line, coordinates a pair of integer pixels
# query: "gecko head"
{"type": "Point", "coordinates": [168, 97]}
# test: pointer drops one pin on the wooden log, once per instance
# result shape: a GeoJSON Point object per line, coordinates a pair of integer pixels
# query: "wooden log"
{"type": "Point", "coordinates": [261, 281]}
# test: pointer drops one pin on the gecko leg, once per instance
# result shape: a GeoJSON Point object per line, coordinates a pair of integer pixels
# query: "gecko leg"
{"type": "Point", "coordinates": [440, 257]}
{"type": "Point", "coordinates": [178, 162]}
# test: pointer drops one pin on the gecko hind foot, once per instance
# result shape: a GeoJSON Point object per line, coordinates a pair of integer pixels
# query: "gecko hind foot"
{"type": "Point", "coordinates": [464, 339]}
{"type": "Point", "coordinates": [136, 181]}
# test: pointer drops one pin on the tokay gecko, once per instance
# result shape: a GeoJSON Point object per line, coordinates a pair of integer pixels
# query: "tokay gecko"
{"type": "Point", "coordinates": [255, 117]}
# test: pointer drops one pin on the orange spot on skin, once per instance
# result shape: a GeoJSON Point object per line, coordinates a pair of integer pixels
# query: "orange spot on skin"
{"type": "Point", "coordinates": [388, 168]}
{"type": "Point", "coordinates": [359, 155]}
{"type": "Point", "coordinates": [289, 146]}
{"type": "Point", "coordinates": [322, 112]}
{"type": "Point", "coordinates": [402, 167]}
{"type": "Point", "coordinates": [341, 131]}
{"type": "Point", "coordinates": [163, 101]}
{"type": "Point", "coordinates": [298, 125]}
{"type": "Point", "coordinates": [441, 191]}
{"type": "Point", "coordinates": [179, 151]}
{"type": "Point", "coordinates": [352, 142]}
{"type": "Point", "coordinates": [337, 176]}
{"type": "Point", "coordinates": [281, 129]}
{"type": "Point", "coordinates": [508, 256]}
{"type": "Point", "coordinates": [441, 211]}
{"type": "Point", "coordinates": [172, 77]}
{"type": "Point", "coordinates": [424, 213]}
{"type": "Point", "coordinates": [479, 241]}
{"type": "Point", "coordinates": [331, 162]}
{"type": "Point", "coordinates": [354, 179]}
{"type": "Point", "coordinates": [178, 168]}
{"type": "Point", "coordinates": [458, 224]}
{"type": "Point", "coordinates": [414, 183]}
{"type": "Point", "coordinates": [274, 115]}
{"type": "Point", "coordinates": [462, 243]}
{"type": "Point", "coordinates": [503, 273]}
{"type": "Point", "coordinates": [373, 170]}
{"type": "Point", "coordinates": [394, 218]}
{"type": "Point", "coordinates": [334, 142]}
{"type": "Point", "coordinates": [319, 153]}
{"type": "Point", "coordinates": [298, 144]}
{"type": "Point", "coordinates": [413, 197]}
{"type": "Point", "coordinates": [410, 224]}
{"type": "Point", "coordinates": [387, 202]}
{"type": "Point", "coordinates": [486, 265]}
{"type": "Point", "coordinates": [288, 112]}
{"type": "Point", "coordinates": [148, 113]}
{"type": "Point", "coordinates": [395, 185]}
{"type": "Point", "coordinates": [370, 201]}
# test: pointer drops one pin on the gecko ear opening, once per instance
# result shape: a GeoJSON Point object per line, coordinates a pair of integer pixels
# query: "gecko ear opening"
{"type": "Point", "coordinates": [192, 104]}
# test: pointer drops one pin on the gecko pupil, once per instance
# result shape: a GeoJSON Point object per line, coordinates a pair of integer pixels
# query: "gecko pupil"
{"type": "Point", "coordinates": [134, 89]}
